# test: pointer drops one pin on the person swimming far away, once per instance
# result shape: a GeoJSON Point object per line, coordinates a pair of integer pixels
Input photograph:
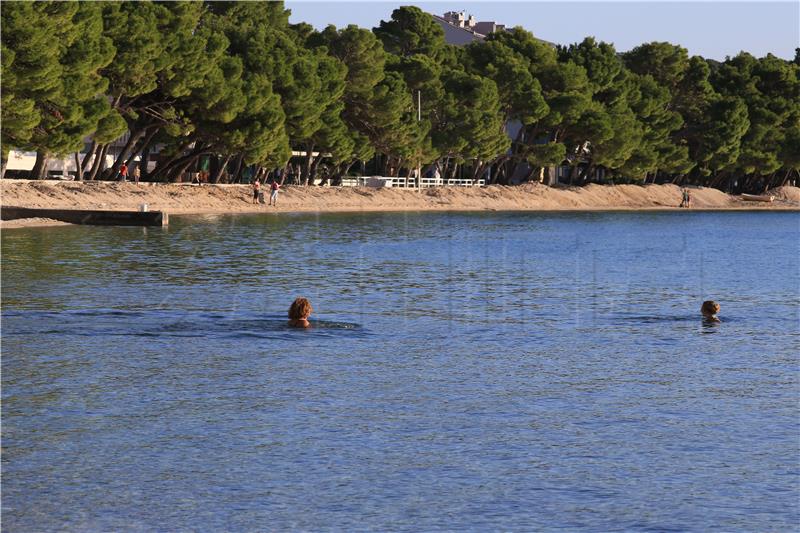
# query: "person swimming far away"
{"type": "Point", "coordinates": [709, 309]}
{"type": "Point", "coordinates": [299, 312]}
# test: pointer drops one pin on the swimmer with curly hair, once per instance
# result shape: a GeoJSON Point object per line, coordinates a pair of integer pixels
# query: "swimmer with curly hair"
{"type": "Point", "coordinates": [710, 309]}
{"type": "Point", "coordinates": [299, 312]}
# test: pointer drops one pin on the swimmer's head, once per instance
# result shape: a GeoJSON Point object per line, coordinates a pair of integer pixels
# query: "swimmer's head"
{"type": "Point", "coordinates": [300, 309]}
{"type": "Point", "coordinates": [709, 308]}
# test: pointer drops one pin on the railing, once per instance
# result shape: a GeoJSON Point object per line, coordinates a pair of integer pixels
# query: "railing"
{"type": "Point", "coordinates": [410, 183]}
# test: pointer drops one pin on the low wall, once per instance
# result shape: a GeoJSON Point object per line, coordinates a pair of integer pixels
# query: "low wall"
{"type": "Point", "coordinates": [89, 216]}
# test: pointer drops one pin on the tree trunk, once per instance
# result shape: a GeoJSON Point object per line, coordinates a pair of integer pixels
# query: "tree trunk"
{"type": "Point", "coordinates": [85, 160]}
{"type": "Point", "coordinates": [163, 166]}
{"type": "Point", "coordinates": [342, 171]}
{"type": "Point", "coordinates": [550, 178]}
{"type": "Point", "coordinates": [477, 167]}
{"type": "Point", "coordinates": [573, 173]}
{"type": "Point", "coordinates": [768, 182]}
{"type": "Point", "coordinates": [218, 174]}
{"type": "Point", "coordinates": [453, 171]}
{"type": "Point", "coordinates": [585, 175]}
{"type": "Point", "coordinates": [175, 175]}
{"type": "Point", "coordinates": [497, 163]}
{"type": "Point", "coordinates": [144, 144]}
{"type": "Point", "coordinates": [39, 171]}
{"type": "Point", "coordinates": [144, 163]}
{"type": "Point", "coordinates": [746, 183]}
{"type": "Point", "coordinates": [128, 148]}
{"type": "Point", "coordinates": [3, 163]}
{"type": "Point", "coordinates": [314, 167]}
{"type": "Point", "coordinates": [785, 178]}
{"type": "Point", "coordinates": [167, 171]}
{"type": "Point", "coordinates": [237, 174]}
{"type": "Point", "coordinates": [446, 167]}
{"type": "Point", "coordinates": [78, 167]}
{"type": "Point", "coordinates": [309, 161]}
{"type": "Point", "coordinates": [528, 175]}
{"type": "Point", "coordinates": [123, 155]}
{"type": "Point", "coordinates": [99, 160]}
{"type": "Point", "coordinates": [500, 173]}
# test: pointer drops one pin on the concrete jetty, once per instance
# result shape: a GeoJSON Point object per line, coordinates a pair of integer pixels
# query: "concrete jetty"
{"type": "Point", "coordinates": [88, 216]}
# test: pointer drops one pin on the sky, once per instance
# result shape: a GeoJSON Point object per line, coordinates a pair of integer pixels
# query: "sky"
{"type": "Point", "coordinates": [713, 29]}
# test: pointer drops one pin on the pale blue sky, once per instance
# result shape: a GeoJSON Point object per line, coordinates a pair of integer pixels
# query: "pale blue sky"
{"type": "Point", "coordinates": [711, 29]}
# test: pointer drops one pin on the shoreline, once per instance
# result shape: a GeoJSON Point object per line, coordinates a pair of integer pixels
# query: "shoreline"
{"type": "Point", "coordinates": [186, 199]}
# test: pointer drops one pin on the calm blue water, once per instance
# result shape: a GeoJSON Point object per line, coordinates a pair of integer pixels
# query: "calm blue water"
{"type": "Point", "coordinates": [466, 372]}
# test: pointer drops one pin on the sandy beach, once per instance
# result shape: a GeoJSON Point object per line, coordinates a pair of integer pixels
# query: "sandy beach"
{"type": "Point", "coordinates": [219, 199]}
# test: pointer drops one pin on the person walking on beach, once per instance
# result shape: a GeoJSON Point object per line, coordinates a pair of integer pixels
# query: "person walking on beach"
{"type": "Point", "coordinates": [123, 172]}
{"type": "Point", "coordinates": [137, 173]}
{"type": "Point", "coordinates": [299, 312]}
{"type": "Point", "coordinates": [684, 198]}
{"type": "Point", "coordinates": [273, 197]}
{"type": "Point", "coordinates": [688, 199]}
{"type": "Point", "coordinates": [256, 190]}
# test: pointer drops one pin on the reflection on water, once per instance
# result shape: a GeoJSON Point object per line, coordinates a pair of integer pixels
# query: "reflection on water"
{"type": "Point", "coordinates": [503, 372]}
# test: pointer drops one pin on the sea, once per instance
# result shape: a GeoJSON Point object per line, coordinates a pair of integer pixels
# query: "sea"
{"type": "Point", "coordinates": [463, 372]}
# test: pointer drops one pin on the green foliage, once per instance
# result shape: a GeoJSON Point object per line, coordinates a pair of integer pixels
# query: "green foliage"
{"type": "Point", "coordinates": [666, 62]}
{"type": "Point", "coordinates": [237, 80]}
{"type": "Point", "coordinates": [469, 122]}
{"type": "Point", "coordinates": [364, 58]}
{"type": "Point", "coordinates": [411, 31]}
{"type": "Point", "coordinates": [542, 155]}
{"type": "Point", "coordinates": [238, 109]}
{"type": "Point", "coordinates": [520, 92]}
{"type": "Point", "coordinates": [603, 66]}
{"type": "Point", "coordinates": [56, 95]}
{"type": "Point", "coordinates": [650, 103]}
{"type": "Point", "coordinates": [769, 90]}
{"type": "Point", "coordinates": [19, 114]}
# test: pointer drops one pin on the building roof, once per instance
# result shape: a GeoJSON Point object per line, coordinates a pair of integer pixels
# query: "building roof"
{"type": "Point", "coordinates": [457, 35]}
{"type": "Point", "coordinates": [461, 35]}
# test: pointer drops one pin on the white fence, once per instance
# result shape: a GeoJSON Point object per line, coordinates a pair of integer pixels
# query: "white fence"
{"type": "Point", "coordinates": [408, 183]}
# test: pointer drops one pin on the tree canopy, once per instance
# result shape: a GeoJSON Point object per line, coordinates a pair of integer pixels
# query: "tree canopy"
{"type": "Point", "coordinates": [236, 84]}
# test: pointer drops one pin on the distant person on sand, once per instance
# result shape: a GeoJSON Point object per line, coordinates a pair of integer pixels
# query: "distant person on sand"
{"type": "Point", "coordinates": [710, 309]}
{"type": "Point", "coordinates": [688, 198]}
{"type": "Point", "coordinates": [137, 173]}
{"type": "Point", "coordinates": [273, 197]}
{"type": "Point", "coordinates": [299, 312]}
{"type": "Point", "coordinates": [684, 198]}
{"type": "Point", "coordinates": [123, 172]}
{"type": "Point", "coordinates": [256, 190]}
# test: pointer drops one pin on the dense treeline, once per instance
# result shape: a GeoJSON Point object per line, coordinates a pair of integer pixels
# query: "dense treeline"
{"type": "Point", "coordinates": [236, 84]}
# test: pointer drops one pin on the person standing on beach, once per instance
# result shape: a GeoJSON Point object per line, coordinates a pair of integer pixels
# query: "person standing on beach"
{"type": "Point", "coordinates": [123, 172]}
{"type": "Point", "coordinates": [683, 198]}
{"type": "Point", "coordinates": [256, 190]}
{"type": "Point", "coordinates": [273, 197]}
{"type": "Point", "coordinates": [137, 173]}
